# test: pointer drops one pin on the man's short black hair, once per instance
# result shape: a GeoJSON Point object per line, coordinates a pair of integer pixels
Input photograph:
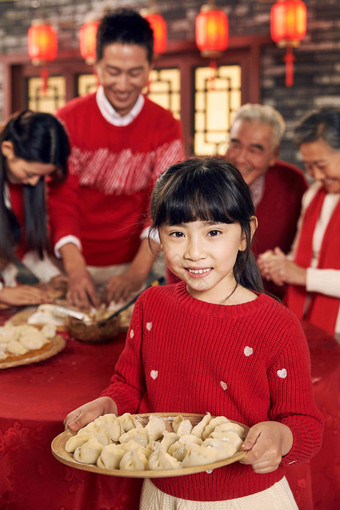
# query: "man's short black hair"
{"type": "Point", "coordinates": [124, 26]}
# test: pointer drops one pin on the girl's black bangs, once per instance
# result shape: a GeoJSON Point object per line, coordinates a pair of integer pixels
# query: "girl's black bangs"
{"type": "Point", "coordinates": [199, 205]}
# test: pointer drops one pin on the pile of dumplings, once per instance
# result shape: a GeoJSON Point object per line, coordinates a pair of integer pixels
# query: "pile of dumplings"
{"type": "Point", "coordinates": [123, 442]}
{"type": "Point", "coordinates": [17, 341]}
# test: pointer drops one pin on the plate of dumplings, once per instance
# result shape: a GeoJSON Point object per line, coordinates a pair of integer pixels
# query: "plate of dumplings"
{"type": "Point", "coordinates": [154, 445]}
{"type": "Point", "coordinates": [25, 344]}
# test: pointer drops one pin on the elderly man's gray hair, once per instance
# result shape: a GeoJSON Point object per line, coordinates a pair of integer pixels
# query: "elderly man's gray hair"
{"type": "Point", "coordinates": [265, 114]}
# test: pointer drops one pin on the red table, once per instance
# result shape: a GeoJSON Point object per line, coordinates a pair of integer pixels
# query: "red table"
{"type": "Point", "coordinates": [34, 400]}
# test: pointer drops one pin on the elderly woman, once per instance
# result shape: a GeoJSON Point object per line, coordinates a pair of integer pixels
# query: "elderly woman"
{"type": "Point", "coordinates": [34, 147]}
{"type": "Point", "coordinates": [312, 269]}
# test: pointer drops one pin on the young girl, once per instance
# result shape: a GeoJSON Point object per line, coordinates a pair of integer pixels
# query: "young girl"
{"type": "Point", "coordinates": [214, 342]}
{"type": "Point", "coordinates": [32, 146]}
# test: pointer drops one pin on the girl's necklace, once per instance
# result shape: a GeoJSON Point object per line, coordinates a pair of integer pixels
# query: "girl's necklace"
{"type": "Point", "coordinates": [231, 293]}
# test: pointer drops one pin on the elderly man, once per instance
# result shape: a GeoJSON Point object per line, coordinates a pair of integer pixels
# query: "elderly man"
{"type": "Point", "coordinates": [277, 187]}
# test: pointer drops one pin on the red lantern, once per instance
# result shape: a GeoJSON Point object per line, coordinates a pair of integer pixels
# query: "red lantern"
{"type": "Point", "coordinates": [288, 23]}
{"type": "Point", "coordinates": [160, 31]}
{"type": "Point", "coordinates": [88, 41]}
{"type": "Point", "coordinates": [42, 44]}
{"type": "Point", "coordinates": [212, 31]}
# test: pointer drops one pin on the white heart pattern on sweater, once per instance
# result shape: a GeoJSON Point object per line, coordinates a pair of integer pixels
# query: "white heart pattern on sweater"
{"type": "Point", "coordinates": [223, 385]}
{"type": "Point", "coordinates": [154, 374]}
{"type": "Point", "coordinates": [149, 326]}
{"type": "Point", "coordinates": [132, 333]}
{"type": "Point", "coordinates": [248, 351]}
{"type": "Point", "coordinates": [282, 373]}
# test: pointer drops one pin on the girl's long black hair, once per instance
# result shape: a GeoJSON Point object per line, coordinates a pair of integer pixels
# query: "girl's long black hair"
{"type": "Point", "coordinates": [208, 189]}
{"type": "Point", "coordinates": [40, 138]}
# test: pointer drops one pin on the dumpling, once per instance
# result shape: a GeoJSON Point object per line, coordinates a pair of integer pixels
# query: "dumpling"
{"type": "Point", "coordinates": [230, 426]}
{"type": "Point", "coordinates": [169, 438]}
{"type": "Point", "coordinates": [140, 436]}
{"type": "Point", "coordinates": [75, 441]}
{"type": "Point", "coordinates": [88, 452]}
{"type": "Point", "coordinates": [196, 455]}
{"type": "Point", "coordinates": [224, 449]}
{"type": "Point", "coordinates": [160, 459]}
{"type": "Point", "coordinates": [212, 424]}
{"type": "Point", "coordinates": [198, 429]}
{"type": "Point", "coordinates": [32, 340]}
{"type": "Point", "coordinates": [49, 330]}
{"type": "Point", "coordinates": [7, 334]}
{"type": "Point", "coordinates": [181, 426]}
{"type": "Point", "coordinates": [177, 450]}
{"type": "Point", "coordinates": [134, 460]}
{"type": "Point", "coordinates": [111, 424]}
{"type": "Point", "coordinates": [155, 427]}
{"type": "Point", "coordinates": [229, 436]}
{"type": "Point", "coordinates": [15, 347]}
{"type": "Point", "coordinates": [98, 432]}
{"type": "Point", "coordinates": [129, 422]}
{"type": "Point", "coordinates": [111, 456]}
{"type": "Point", "coordinates": [190, 438]}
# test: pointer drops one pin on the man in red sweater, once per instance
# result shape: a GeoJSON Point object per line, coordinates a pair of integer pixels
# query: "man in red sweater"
{"type": "Point", "coordinates": [121, 142]}
{"type": "Point", "coordinates": [277, 187]}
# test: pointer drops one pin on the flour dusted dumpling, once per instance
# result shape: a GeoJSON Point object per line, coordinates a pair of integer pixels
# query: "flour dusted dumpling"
{"type": "Point", "coordinates": [140, 436]}
{"type": "Point", "coordinates": [212, 424]}
{"type": "Point", "coordinates": [169, 438]}
{"type": "Point", "coordinates": [129, 422]}
{"type": "Point", "coordinates": [111, 456]}
{"type": "Point", "coordinates": [195, 455]}
{"type": "Point", "coordinates": [15, 347]}
{"type": "Point", "coordinates": [98, 432]}
{"type": "Point", "coordinates": [190, 438]}
{"type": "Point", "coordinates": [160, 459]}
{"type": "Point", "coordinates": [177, 450]}
{"type": "Point", "coordinates": [7, 334]}
{"type": "Point", "coordinates": [225, 427]}
{"type": "Point", "coordinates": [88, 452]}
{"type": "Point", "coordinates": [155, 427]}
{"type": "Point", "coordinates": [111, 425]}
{"type": "Point", "coordinates": [199, 428]}
{"type": "Point", "coordinates": [75, 441]}
{"type": "Point", "coordinates": [229, 436]}
{"type": "Point", "coordinates": [49, 330]}
{"type": "Point", "coordinates": [181, 426]}
{"type": "Point", "coordinates": [134, 460]}
{"type": "Point", "coordinates": [32, 339]}
{"type": "Point", "coordinates": [224, 449]}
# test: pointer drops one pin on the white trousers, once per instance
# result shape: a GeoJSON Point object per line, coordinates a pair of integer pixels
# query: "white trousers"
{"type": "Point", "coordinates": [277, 497]}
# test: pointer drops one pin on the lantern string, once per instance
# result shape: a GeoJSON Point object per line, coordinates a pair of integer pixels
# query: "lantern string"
{"type": "Point", "coordinates": [44, 79]}
{"type": "Point", "coordinates": [213, 67]}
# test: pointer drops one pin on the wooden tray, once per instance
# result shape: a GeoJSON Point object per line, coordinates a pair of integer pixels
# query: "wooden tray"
{"type": "Point", "coordinates": [59, 452]}
{"type": "Point", "coordinates": [58, 344]}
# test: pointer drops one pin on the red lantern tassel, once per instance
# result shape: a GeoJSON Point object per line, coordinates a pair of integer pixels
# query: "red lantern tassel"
{"type": "Point", "coordinates": [213, 66]}
{"type": "Point", "coordinates": [44, 78]}
{"type": "Point", "coordinates": [289, 59]}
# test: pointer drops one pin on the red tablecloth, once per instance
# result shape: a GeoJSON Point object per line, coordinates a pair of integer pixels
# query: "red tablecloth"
{"type": "Point", "coordinates": [34, 400]}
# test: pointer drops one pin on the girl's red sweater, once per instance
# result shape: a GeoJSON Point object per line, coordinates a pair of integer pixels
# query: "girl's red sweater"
{"type": "Point", "coordinates": [248, 362]}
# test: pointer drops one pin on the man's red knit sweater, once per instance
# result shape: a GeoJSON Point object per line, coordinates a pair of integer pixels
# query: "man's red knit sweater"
{"type": "Point", "coordinates": [248, 362]}
{"type": "Point", "coordinates": [105, 200]}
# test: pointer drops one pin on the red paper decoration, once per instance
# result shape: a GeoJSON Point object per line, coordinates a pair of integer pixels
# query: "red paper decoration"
{"type": "Point", "coordinates": [88, 41]}
{"type": "Point", "coordinates": [288, 24]}
{"type": "Point", "coordinates": [160, 31]}
{"type": "Point", "coordinates": [212, 31]}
